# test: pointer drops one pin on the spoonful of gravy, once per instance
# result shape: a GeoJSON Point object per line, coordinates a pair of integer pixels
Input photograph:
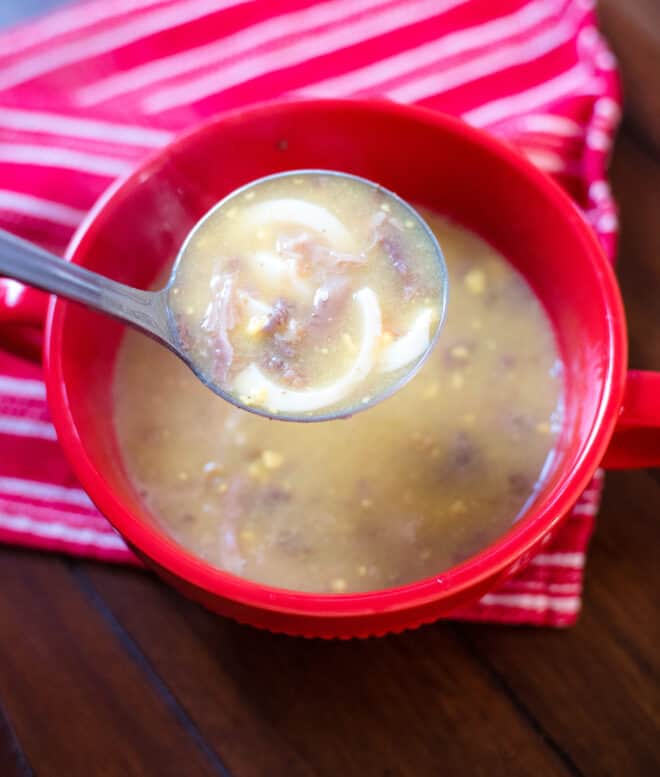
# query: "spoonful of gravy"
{"type": "Point", "coordinates": [307, 295]}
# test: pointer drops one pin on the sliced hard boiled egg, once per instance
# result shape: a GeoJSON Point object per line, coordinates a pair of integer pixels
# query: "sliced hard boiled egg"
{"type": "Point", "coordinates": [410, 346]}
{"type": "Point", "coordinates": [301, 213]}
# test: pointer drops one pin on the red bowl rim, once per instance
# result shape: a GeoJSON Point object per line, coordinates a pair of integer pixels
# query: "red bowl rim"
{"type": "Point", "coordinates": [497, 558]}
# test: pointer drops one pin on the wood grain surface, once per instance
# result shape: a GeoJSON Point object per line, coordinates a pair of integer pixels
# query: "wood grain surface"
{"type": "Point", "coordinates": [105, 671]}
{"type": "Point", "coordinates": [632, 28]}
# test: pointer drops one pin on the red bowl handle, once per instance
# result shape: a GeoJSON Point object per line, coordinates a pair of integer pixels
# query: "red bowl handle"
{"type": "Point", "coordinates": [22, 314]}
{"type": "Point", "coordinates": [636, 440]}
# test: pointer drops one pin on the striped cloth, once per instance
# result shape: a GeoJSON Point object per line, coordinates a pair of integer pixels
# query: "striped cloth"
{"type": "Point", "coordinates": [88, 91]}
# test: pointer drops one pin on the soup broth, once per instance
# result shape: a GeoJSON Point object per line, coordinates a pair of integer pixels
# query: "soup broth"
{"type": "Point", "coordinates": [397, 493]}
{"type": "Point", "coordinates": [308, 292]}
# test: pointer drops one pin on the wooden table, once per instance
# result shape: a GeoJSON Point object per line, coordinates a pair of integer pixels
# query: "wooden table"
{"type": "Point", "coordinates": [106, 672]}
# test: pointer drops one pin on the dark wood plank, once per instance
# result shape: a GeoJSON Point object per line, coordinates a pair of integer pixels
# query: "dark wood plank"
{"type": "Point", "coordinates": [633, 30]}
{"type": "Point", "coordinates": [636, 182]}
{"type": "Point", "coordinates": [79, 702]}
{"type": "Point", "coordinates": [13, 761]}
{"type": "Point", "coordinates": [413, 705]}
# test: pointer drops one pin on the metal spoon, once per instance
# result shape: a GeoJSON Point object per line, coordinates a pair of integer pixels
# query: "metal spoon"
{"type": "Point", "coordinates": [150, 312]}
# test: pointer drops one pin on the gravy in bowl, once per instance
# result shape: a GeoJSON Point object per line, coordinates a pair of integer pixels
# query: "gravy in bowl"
{"type": "Point", "coordinates": [397, 493]}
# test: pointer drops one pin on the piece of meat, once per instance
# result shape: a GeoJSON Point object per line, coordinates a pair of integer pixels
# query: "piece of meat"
{"type": "Point", "coordinates": [335, 260]}
{"type": "Point", "coordinates": [292, 542]}
{"type": "Point", "coordinates": [462, 458]}
{"type": "Point", "coordinates": [284, 369]}
{"type": "Point", "coordinates": [293, 247]}
{"type": "Point", "coordinates": [394, 251]}
{"type": "Point", "coordinates": [391, 244]}
{"type": "Point", "coordinates": [507, 361]}
{"type": "Point", "coordinates": [464, 451]}
{"type": "Point", "coordinates": [279, 317]}
{"type": "Point", "coordinates": [331, 299]}
{"type": "Point", "coordinates": [520, 485]}
{"type": "Point", "coordinates": [518, 425]}
{"type": "Point", "coordinates": [306, 252]}
{"type": "Point", "coordinates": [274, 494]}
{"type": "Point", "coordinates": [219, 318]}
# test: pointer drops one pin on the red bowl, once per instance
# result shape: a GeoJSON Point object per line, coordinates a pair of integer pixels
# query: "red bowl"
{"type": "Point", "coordinates": [431, 160]}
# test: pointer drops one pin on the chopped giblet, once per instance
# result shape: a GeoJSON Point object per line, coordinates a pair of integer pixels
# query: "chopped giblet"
{"type": "Point", "coordinates": [339, 585]}
{"type": "Point", "coordinates": [272, 459]}
{"type": "Point", "coordinates": [475, 281]}
{"type": "Point", "coordinates": [247, 536]}
{"type": "Point", "coordinates": [431, 391]}
{"type": "Point", "coordinates": [458, 507]}
{"type": "Point", "coordinates": [457, 380]}
{"type": "Point", "coordinates": [460, 352]}
{"type": "Point", "coordinates": [257, 472]}
{"type": "Point", "coordinates": [256, 325]}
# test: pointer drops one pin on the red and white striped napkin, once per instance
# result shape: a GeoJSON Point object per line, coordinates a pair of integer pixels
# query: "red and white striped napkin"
{"type": "Point", "coordinates": [88, 91]}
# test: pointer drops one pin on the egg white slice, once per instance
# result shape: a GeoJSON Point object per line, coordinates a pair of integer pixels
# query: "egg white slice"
{"type": "Point", "coordinates": [410, 346]}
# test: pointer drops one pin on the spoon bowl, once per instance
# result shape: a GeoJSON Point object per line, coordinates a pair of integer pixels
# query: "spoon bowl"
{"type": "Point", "coordinates": [154, 312]}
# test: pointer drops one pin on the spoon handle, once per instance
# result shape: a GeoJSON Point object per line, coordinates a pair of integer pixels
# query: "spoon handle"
{"type": "Point", "coordinates": [27, 262]}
